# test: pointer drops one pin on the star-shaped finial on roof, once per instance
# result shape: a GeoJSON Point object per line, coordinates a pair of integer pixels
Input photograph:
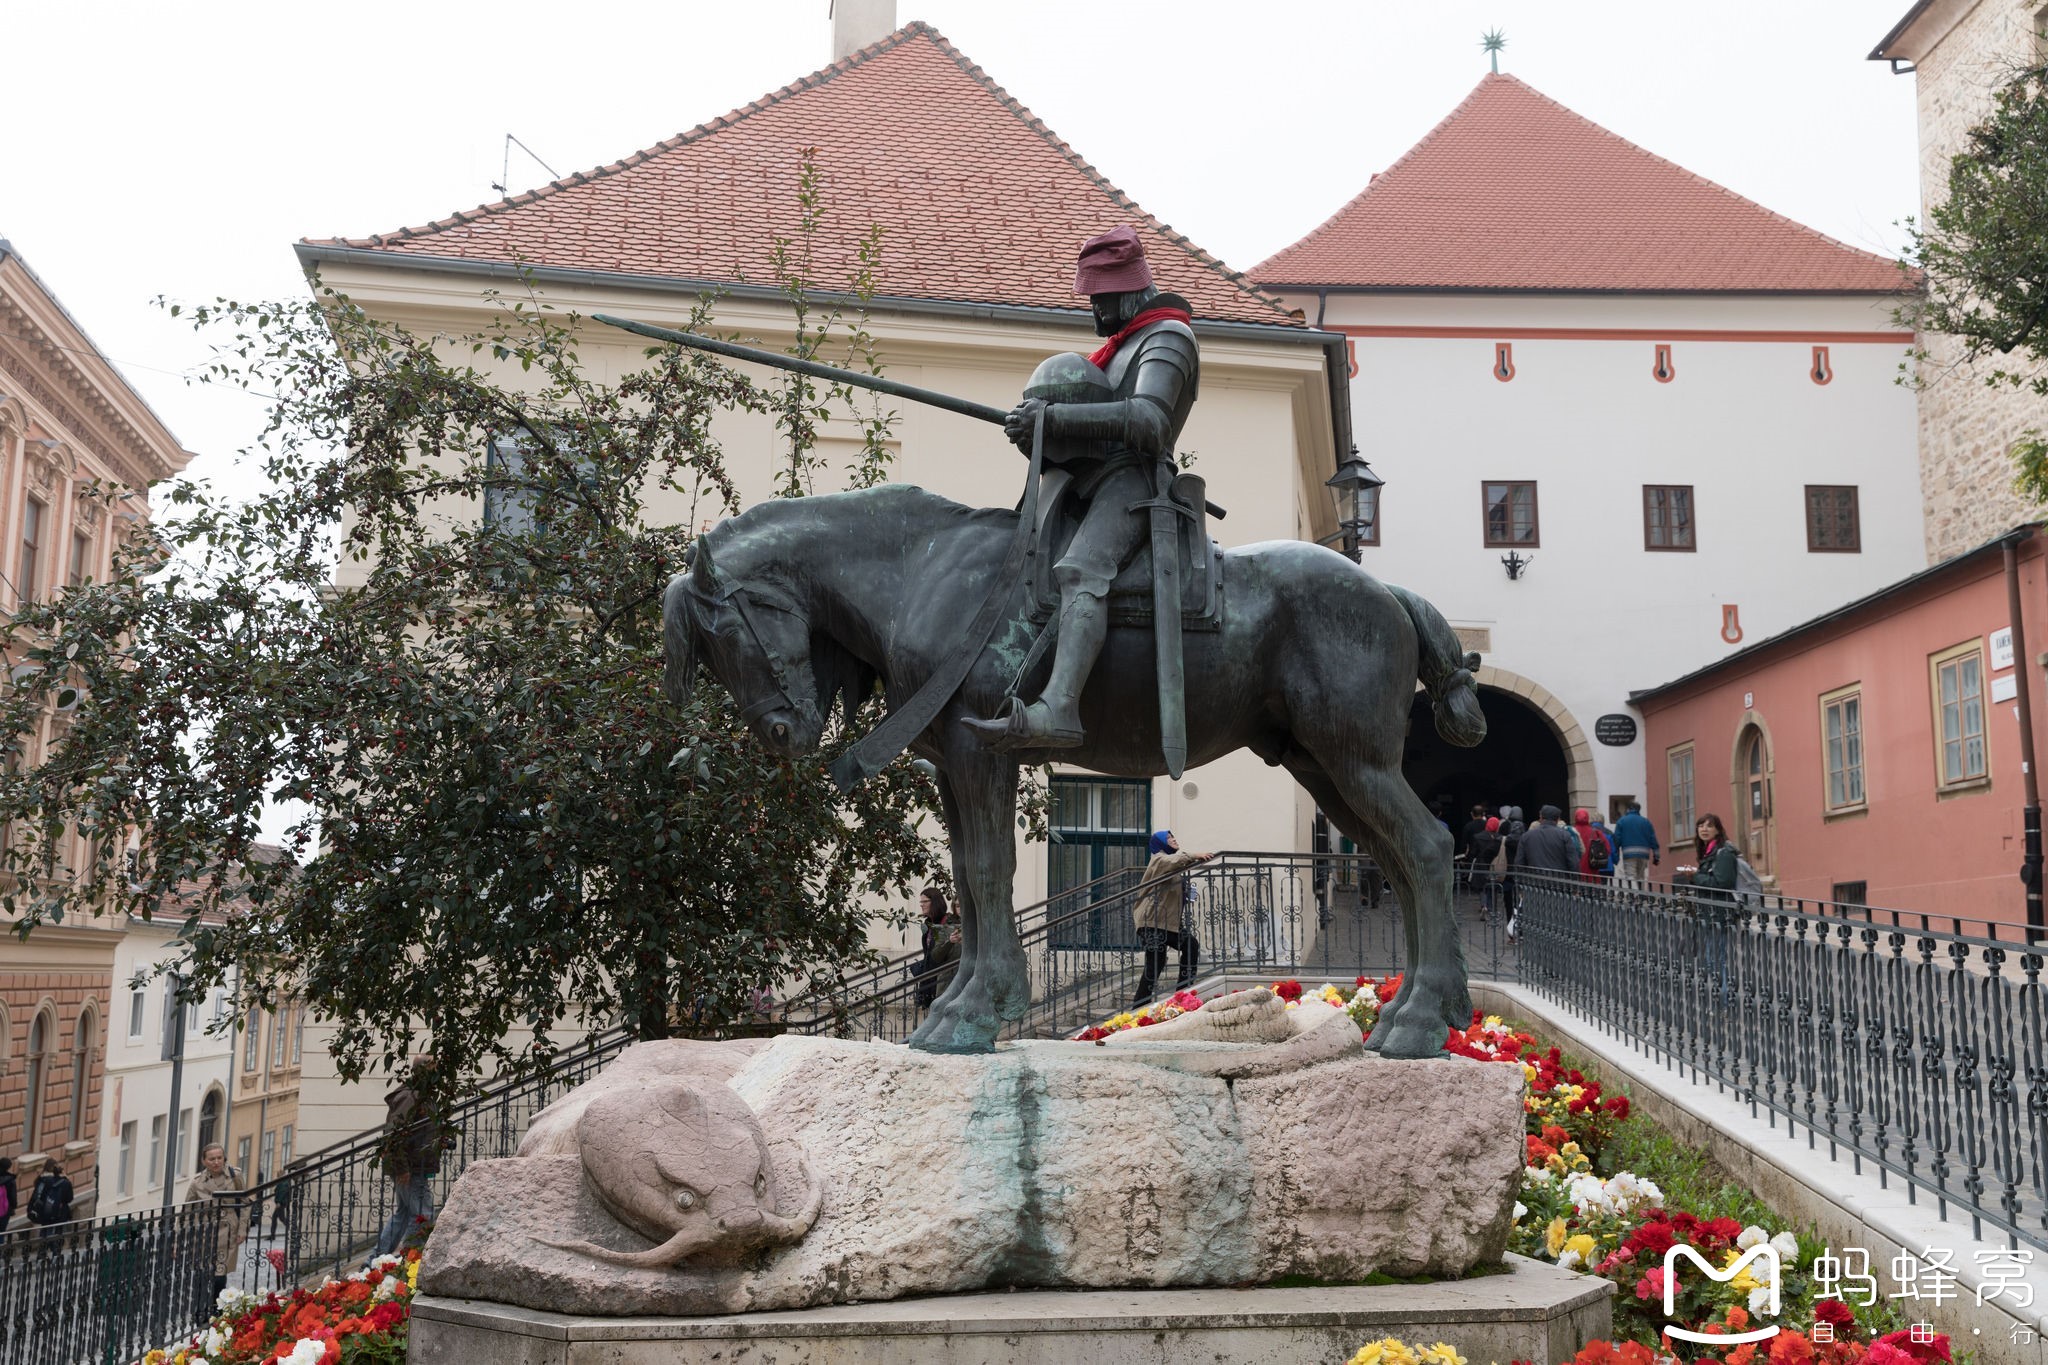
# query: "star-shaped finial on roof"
{"type": "Point", "coordinates": [1491, 43]}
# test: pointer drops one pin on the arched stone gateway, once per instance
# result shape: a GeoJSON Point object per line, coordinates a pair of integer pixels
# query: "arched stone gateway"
{"type": "Point", "coordinates": [1535, 753]}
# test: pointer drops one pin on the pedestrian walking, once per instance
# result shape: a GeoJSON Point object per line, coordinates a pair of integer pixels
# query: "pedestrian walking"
{"type": "Point", "coordinates": [1487, 856]}
{"type": "Point", "coordinates": [49, 1202]}
{"type": "Point", "coordinates": [1550, 847]}
{"type": "Point", "coordinates": [1463, 853]}
{"type": "Point", "coordinates": [222, 1183]}
{"type": "Point", "coordinates": [1635, 838]}
{"type": "Point", "coordinates": [1596, 854]}
{"type": "Point", "coordinates": [412, 1156]}
{"type": "Point", "coordinates": [1607, 837]}
{"type": "Point", "coordinates": [938, 943]}
{"type": "Point", "coordinates": [1511, 831]}
{"type": "Point", "coordinates": [10, 1197]}
{"type": "Point", "coordinates": [1160, 914]}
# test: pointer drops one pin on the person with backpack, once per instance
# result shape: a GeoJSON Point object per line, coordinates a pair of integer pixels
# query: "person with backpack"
{"type": "Point", "coordinates": [938, 941]}
{"type": "Point", "coordinates": [1596, 853]}
{"type": "Point", "coordinates": [1718, 874]}
{"type": "Point", "coordinates": [10, 1198]}
{"type": "Point", "coordinates": [49, 1203]}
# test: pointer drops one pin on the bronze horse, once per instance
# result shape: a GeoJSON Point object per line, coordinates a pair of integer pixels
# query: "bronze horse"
{"type": "Point", "coordinates": [798, 603]}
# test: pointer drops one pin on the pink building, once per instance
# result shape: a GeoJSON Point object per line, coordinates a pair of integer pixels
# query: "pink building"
{"type": "Point", "coordinates": [1872, 754]}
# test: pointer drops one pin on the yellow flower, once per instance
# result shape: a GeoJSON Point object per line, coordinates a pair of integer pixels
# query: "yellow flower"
{"type": "Point", "coordinates": [1444, 1354]}
{"type": "Point", "coordinates": [1491, 1021]}
{"type": "Point", "coordinates": [1583, 1245]}
{"type": "Point", "coordinates": [1396, 1352]}
{"type": "Point", "coordinates": [155, 1357]}
{"type": "Point", "coordinates": [1528, 1074]}
{"type": "Point", "coordinates": [412, 1276]}
{"type": "Point", "coordinates": [1553, 1237]}
{"type": "Point", "coordinates": [1743, 1281]}
{"type": "Point", "coordinates": [1368, 1354]}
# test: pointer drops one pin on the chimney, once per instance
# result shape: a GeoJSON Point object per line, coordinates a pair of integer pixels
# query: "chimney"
{"type": "Point", "coordinates": [857, 23]}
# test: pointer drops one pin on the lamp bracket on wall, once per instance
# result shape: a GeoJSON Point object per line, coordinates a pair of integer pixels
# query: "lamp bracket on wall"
{"type": "Point", "coordinates": [1516, 564]}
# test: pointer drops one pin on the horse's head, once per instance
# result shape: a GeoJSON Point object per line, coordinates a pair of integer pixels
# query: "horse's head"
{"type": "Point", "coordinates": [756, 640]}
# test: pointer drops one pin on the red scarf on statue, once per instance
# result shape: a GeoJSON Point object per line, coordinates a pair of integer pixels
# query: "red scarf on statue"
{"type": "Point", "coordinates": [1101, 358]}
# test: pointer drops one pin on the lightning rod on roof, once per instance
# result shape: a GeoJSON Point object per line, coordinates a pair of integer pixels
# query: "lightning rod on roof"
{"type": "Point", "coordinates": [1491, 43]}
{"type": "Point", "coordinates": [505, 175]}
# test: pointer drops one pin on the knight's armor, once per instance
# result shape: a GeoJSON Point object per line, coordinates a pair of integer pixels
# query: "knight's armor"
{"type": "Point", "coordinates": [1107, 434]}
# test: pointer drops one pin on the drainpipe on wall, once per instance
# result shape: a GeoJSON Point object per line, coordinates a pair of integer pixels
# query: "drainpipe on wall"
{"type": "Point", "coordinates": [2030, 866]}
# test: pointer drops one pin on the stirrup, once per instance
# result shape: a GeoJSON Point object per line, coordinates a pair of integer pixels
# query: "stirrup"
{"type": "Point", "coordinates": [1011, 730]}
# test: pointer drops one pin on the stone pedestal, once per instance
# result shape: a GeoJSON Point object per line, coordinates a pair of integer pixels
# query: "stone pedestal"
{"type": "Point", "coordinates": [1534, 1312]}
{"type": "Point", "coordinates": [1045, 1166]}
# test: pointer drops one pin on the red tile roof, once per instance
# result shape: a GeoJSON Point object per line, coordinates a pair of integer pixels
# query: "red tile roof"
{"type": "Point", "coordinates": [979, 201]}
{"type": "Point", "coordinates": [1515, 191]}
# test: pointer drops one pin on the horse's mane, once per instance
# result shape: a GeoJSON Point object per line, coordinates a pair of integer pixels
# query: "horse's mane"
{"type": "Point", "coordinates": [748, 543]}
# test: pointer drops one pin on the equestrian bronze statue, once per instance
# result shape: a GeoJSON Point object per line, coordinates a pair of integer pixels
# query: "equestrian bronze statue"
{"type": "Point", "coordinates": [1287, 649]}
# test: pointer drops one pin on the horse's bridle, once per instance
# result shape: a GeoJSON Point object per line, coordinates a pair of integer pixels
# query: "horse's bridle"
{"type": "Point", "coordinates": [737, 596]}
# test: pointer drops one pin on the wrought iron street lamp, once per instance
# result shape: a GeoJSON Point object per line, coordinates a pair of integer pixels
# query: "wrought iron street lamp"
{"type": "Point", "coordinates": [1357, 491]}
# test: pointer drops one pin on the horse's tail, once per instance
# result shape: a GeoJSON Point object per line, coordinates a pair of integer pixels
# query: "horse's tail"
{"type": "Point", "coordinates": [678, 642]}
{"type": "Point", "coordinates": [1446, 672]}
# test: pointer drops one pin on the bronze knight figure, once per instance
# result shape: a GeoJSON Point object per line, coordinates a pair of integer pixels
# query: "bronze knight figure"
{"type": "Point", "coordinates": [1105, 450]}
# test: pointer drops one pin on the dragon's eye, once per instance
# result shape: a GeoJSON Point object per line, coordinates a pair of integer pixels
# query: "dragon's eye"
{"type": "Point", "coordinates": [686, 1199]}
{"type": "Point", "coordinates": [761, 1185]}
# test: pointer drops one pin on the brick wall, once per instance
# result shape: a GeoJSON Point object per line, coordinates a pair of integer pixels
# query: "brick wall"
{"type": "Point", "coordinates": [1967, 429]}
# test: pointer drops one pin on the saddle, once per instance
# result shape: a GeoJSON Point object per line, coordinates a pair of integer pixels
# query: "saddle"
{"type": "Point", "coordinates": [1130, 593]}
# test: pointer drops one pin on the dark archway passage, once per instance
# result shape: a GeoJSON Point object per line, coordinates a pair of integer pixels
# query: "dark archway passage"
{"type": "Point", "coordinates": [1520, 763]}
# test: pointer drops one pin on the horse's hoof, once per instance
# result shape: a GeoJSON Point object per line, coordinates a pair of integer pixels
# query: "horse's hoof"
{"type": "Point", "coordinates": [1405, 1042]}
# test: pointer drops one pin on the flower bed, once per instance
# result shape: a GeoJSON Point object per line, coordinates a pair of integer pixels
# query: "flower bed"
{"type": "Point", "coordinates": [360, 1320]}
{"type": "Point", "coordinates": [1583, 1208]}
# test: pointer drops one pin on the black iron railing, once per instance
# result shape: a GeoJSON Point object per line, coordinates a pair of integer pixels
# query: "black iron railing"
{"type": "Point", "coordinates": [1322, 915]}
{"type": "Point", "coordinates": [1916, 1043]}
{"type": "Point", "coordinates": [105, 1292]}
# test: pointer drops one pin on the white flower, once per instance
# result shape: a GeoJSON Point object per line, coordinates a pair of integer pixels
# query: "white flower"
{"type": "Point", "coordinates": [306, 1351]}
{"type": "Point", "coordinates": [1752, 1236]}
{"type": "Point", "coordinates": [1786, 1245]}
{"type": "Point", "coordinates": [387, 1261]}
{"type": "Point", "coordinates": [232, 1300]}
{"type": "Point", "coordinates": [197, 1360]}
{"type": "Point", "coordinates": [1652, 1197]}
{"type": "Point", "coordinates": [1521, 1210]}
{"type": "Point", "coordinates": [1760, 1298]}
{"type": "Point", "coordinates": [387, 1288]}
{"type": "Point", "coordinates": [213, 1341]}
{"type": "Point", "coordinates": [1567, 1260]}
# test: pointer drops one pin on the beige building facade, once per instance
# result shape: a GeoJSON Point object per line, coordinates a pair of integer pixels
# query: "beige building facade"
{"type": "Point", "coordinates": [68, 419]}
{"type": "Point", "coordinates": [1960, 52]}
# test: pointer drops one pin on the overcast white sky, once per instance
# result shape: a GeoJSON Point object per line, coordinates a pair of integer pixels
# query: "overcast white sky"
{"type": "Point", "coordinates": [180, 149]}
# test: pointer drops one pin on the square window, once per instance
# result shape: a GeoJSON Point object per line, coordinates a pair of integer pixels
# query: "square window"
{"type": "Point", "coordinates": [1841, 734]}
{"type": "Point", "coordinates": [1956, 679]}
{"type": "Point", "coordinates": [1667, 517]}
{"type": "Point", "coordinates": [1510, 515]}
{"type": "Point", "coordinates": [1832, 523]}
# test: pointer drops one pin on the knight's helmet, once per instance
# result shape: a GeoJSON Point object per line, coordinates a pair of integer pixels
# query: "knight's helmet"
{"type": "Point", "coordinates": [1069, 378]}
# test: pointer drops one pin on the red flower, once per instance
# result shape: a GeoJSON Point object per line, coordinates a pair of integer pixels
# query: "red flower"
{"type": "Point", "coordinates": [1653, 1238]}
{"type": "Point", "coordinates": [1287, 990]}
{"type": "Point", "coordinates": [1882, 1352]}
{"type": "Point", "coordinates": [1791, 1348]}
{"type": "Point", "coordinates": [1832, 1311]}
{"type": "Point", "coordinates": [1390, 987]}
{"type": "Point", "coordinates": [1146, 1021]}
{"type": "Point", "coordinates": [1651, 1286]}
{"type": "Point", "coordinates": [1617, 1106]}
{"type": "Point", "coordinates": [1555, 1136]}
{"type": "Point", "coordinates": [1926, 1353]}
{"type": "Point", "coordinates": [1536, 1151]}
